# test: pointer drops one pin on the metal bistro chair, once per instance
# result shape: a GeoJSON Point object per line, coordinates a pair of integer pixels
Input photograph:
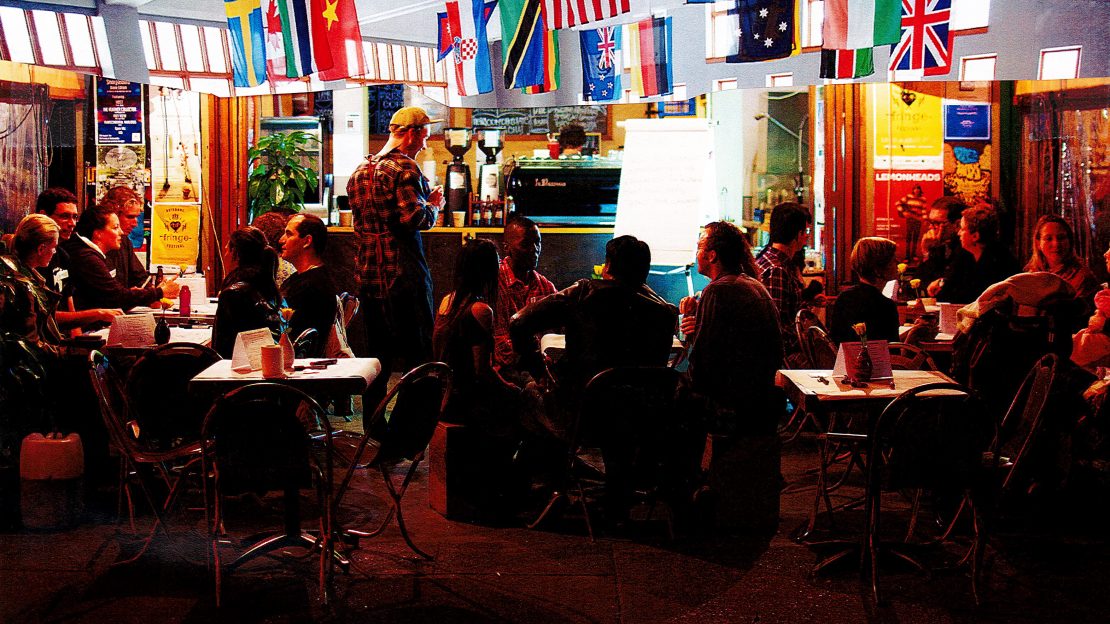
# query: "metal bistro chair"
{"type": "Point", "coordinates": [158, 390]}
{"type": "Point", "coordinates": [421, 397]}
{"type": "Point", "coordinates": [259, 438]}
{"type": "Point", "coordinates": [819, 353]}
{"type": "Point", "coordinates": [904, 356]}
{"type": "Point", "coordinates": [138, 460]}
{"type": "Point", "coordinates": [934, 437]}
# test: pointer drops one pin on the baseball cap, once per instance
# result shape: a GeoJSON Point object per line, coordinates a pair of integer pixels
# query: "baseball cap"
{"type": "Point", "coordinates": [412, 116]}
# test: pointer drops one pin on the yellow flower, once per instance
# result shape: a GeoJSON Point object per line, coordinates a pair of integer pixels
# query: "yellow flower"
{"type": "Point", "coordinates": [902, 266]}
{"type": "Point", "coordinates": [860, 329]}
{"type": "Point", "coordinates": [915, 283]}
{"type": "Point", "coordinates": [163, 303]}
{"type": "Point", "coordinates": [181, 270]}
{"type": "Point", "coordinates": [286, 314]}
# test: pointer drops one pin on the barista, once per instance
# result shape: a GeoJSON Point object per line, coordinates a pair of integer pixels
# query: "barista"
{"type": "Point", "coordinates": [571, 139]}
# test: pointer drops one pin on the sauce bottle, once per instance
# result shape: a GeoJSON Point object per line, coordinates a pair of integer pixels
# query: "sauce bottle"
{"type": "Point", "coordinates": [185, 299]}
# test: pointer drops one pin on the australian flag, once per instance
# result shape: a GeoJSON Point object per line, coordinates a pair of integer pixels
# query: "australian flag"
{"type": "Point", "coordinates": [926, 42]}
{"type": "Point", "coordinates": [766, 30]}
{"type": "Point", "coordinates": [601, 63]}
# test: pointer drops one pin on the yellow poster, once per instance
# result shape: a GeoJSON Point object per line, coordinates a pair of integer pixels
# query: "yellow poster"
{"type": "Point", "coordinates": [908, 128]}
{"type": "Point", "coordinates": [175, 234]}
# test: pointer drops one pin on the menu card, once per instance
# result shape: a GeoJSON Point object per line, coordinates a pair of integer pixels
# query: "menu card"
{"type": "Point", "coordinates": [247, 355]}
{"type": "Point", "coordinates": [949, 315]}
{"type": "Point", "coordinates": [131, 331]}
{"type": "Point", "coordinates": [848, 353]}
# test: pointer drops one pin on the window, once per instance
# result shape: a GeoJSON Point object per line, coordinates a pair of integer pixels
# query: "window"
{"type": "Point", "coordinates": [725, 84]}
{"type": "Point", "coordinates": [970, 14]}
{"type": "Point", "coordinates": [978, 67]}
{"type": "Point", "coordinates": [678, 94]}
{"type": "Point", "coordinates": [780, 80]}
{"type": "Point", "coordinates": [70, 41]}
{"type": "Point", "coordinates": [1059, 63]}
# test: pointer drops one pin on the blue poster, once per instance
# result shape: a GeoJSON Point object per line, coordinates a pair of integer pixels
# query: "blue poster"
{"type": "Point", "coordinates": [119, 112]}
{"type": "Point", "coordinates": [967, 122]}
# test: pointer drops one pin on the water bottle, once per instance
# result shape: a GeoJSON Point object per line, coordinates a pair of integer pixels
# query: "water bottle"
{"type": "Point", "coordinates": [185, 299]}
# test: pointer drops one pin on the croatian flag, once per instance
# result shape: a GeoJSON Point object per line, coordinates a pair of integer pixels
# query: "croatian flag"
{"type": "Point", "coordinates": [566, 13]}
{"type": "Point", "coordinates": [926, 40]}
{"type": "Point", "coordinates": [466, 26]}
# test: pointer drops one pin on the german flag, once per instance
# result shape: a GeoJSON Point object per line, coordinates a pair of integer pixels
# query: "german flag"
{"type": "Point", "coordinates": [651, 57]}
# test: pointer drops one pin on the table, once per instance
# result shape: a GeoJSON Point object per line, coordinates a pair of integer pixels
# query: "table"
{"type": "Point", "coordinates": [202, 312]}
{"type": "Point", "coordinates": [806, 388]}
{"type": "Point", "coordinates": [194, 335]}
{"type": "Point", "coordinates": [346, 377]}
{"type": "Point", "coordinates": [553, 345]}
{"type": "Point", "coordinates": [942, 343]}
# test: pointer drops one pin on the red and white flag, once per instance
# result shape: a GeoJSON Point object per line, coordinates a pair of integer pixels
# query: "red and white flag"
{"type": "Point", "coordinates": [566, 13]}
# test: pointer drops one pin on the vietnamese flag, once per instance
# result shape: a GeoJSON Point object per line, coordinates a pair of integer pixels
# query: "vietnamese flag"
{"type": "Point", "coordinates": [341, 22]}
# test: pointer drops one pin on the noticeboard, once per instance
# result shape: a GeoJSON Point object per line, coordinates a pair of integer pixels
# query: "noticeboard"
{"type": "Point", "coordinates": [544, 120]}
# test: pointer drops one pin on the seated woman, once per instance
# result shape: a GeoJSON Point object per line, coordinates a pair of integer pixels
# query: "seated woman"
{"type": "Point", "coordinates": [986, 262]}
{"type": "Point", "coordinates": [874, 262]}
{"type": "Point", "coordinates": [27, 304]}
{"type": "Point", "coordinates": [1054, 253]}
{"type": "Point", "coordinates": [463, 338]}
{"type": "Point", "coordinates": [249, 297]}
{"type": "Point", "coordinates": [1091, 346]}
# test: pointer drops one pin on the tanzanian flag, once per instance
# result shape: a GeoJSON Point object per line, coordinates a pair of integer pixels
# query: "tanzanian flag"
{"type": "Point", "coordinates": [530, 54]}
{"type": "Point", "coordinates": [248, 42]}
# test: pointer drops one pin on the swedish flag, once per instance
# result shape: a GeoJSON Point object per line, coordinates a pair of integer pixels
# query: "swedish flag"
{"type": "Point", "coordinates": [248, 41]}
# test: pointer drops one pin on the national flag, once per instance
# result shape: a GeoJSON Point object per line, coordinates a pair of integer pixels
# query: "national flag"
{"type": "Point", "coordinates": [767, 30]}
{"type": "Point", "coordinates": [275, 45]}
{"type": "Point", "coordinates": [248, 42]}
{"type": "Point", "coordinates": [926, 42]}
{"type": "Point", "coordinates": [856, 24]}
{"type": "Point", "coordinates": [530, 55]}
{"type": "Point", "coordinates": [700, 1]}
{"type": "Point", "coordinates": [344, 38]}
{"type": "Point", "coordinates": [443, 39]}
{"type": "Point", "coordinates": [601, 63]}
{"type": "Point", "coordinates": [842, 64]}
{"type": "Point", "coordinates": [566, 13]}
{"type": "Point", "coordinates": [304, 31]}
{"type": "Point", "coordinates": [651, 46]}
{"type": "Point", "coordinates": [550, 65]}
{"type": "Point", "coordinates": [466, 25]}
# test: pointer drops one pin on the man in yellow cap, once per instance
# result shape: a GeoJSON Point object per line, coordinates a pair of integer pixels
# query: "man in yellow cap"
{"type": "Point", "coordinates": [391, 203]}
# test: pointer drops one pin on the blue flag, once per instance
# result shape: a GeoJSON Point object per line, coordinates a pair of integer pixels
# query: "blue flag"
{"type": "Point", "coordinates": [601, 63]}
{"type": "Point", "coordinates": [766, 30]}
{"type": "Point", "coordinates": [248, 41]}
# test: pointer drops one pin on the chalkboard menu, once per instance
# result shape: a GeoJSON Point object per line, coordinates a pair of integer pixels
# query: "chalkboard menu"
{"type": "Point", "coordinates": [384, 101]}
{"type": "Point", "coordinates": [541, 121]}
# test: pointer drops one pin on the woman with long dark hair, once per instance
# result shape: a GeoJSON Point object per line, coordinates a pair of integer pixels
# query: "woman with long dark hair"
{"type": "Point", "coordinates": [249, 296]}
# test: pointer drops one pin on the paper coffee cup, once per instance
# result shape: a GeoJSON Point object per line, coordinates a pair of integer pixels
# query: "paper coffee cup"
{"type": "Point", "coordinates": [272, 363]}
{"type": "Point", "coordinates": [458, 218]}
{"type": "Point", "coordinates": [346, 218]}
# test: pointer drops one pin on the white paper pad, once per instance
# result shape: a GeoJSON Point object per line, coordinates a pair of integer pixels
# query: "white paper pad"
{"type": "Point", "coordinates": [131, 330]}
{"type": "Point", "coordinates": [247, 355]}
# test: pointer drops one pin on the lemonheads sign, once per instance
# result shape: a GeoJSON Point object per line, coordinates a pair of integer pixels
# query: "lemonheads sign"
{"type": "Point", "coordinates": [175, 234]}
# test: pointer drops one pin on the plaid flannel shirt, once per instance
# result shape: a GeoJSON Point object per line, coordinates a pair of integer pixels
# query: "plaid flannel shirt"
{"type": "Point", "coordinates": [388, 198]}
{"type": "Point", "coordinates": [512, 296]}
{"type": "Point", "coordinates": [784, 282]}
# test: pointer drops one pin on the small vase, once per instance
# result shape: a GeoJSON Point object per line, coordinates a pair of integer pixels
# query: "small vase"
{"type": "Point", "coordinates": [864, 368]}
{"type": "Point", "coordinates": [287, 353]}
{"type": "Point", "coordinates": [161, 331]}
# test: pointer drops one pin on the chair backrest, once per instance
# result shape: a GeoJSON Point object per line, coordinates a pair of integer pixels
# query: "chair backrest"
{"type": "Point", "coordinates": [259, 435]}
{"type": "Point", "coordinates": [158, 391]}
{"type": "Point", "coordinates": [421, 398]}
{"type": "Point", "coordinates": [336, 344]}
{"type": "Point", "coordinates": [933, 437]}
{"type": "Point", "coordinates": [349, 307]}
{"type": "Point", "coordinates": [803, 320]}
{"type": "Point", "coordinates": [818, 347]}
{"type": "Point", "coordinates": [909, 357]}
{"type": "Point", "coordinates": [1017, 433]}
{"type": "Point", "coordinates": [635, 404]}
{"type": "Point", "coordinates": [113, 405]}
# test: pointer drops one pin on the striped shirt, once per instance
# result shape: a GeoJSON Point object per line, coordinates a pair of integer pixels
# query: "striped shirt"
{"type": "Point", "coordinates": [512, 296]}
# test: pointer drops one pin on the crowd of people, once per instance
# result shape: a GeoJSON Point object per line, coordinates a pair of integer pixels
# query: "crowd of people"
{"type": "Point", "coordinates": [68, 269]}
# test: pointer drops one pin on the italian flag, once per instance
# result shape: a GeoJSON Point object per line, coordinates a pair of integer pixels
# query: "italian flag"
{"type": "Point", "coordinates": [855, 24]}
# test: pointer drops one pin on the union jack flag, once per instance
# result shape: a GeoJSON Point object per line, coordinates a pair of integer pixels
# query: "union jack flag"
{"type": "Point", "coordinates": [606, 48]}
{"type": "Point", "coordinates": [926, 42]}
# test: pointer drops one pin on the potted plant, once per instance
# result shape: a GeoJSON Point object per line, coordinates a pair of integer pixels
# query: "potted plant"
{"type": "Point", "coordinates": [282, 172]}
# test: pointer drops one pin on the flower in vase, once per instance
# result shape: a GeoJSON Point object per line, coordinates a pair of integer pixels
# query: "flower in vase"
{"type": "Point", "coordinates": [915, 284]}
{"type": "Point", "coordinates": [861, 331]}
{"type": "Point", "coordinates": [902, 266]}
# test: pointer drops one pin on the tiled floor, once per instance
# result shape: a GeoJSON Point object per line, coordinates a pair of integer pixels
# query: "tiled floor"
{"type": "Point", "coordinates": [512, 574]}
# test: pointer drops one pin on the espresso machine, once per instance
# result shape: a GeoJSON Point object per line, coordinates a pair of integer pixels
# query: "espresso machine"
{"type": "Point", "coordinates": [458, 187]}
{"type": "Point", "coordinates": [489, 174]}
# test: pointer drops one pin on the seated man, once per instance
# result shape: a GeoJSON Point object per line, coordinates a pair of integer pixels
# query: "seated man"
{"type": "Point", "coordinates": [518, 284]}
{"type": "Point", "coordinates": [734, 337]}
{"type": "Point", "coordinates": [128, 205]}
{"type": "Point", "coordinates": [614, 321]}
{"type": "Point", "coordinates": [95, 286]}
{"type": "Point", "coordinates": [986, 262]}
{"type": "Point", "coordinates": [940, 244]}
{"type": "Point", "coordinates": [310, 292]}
